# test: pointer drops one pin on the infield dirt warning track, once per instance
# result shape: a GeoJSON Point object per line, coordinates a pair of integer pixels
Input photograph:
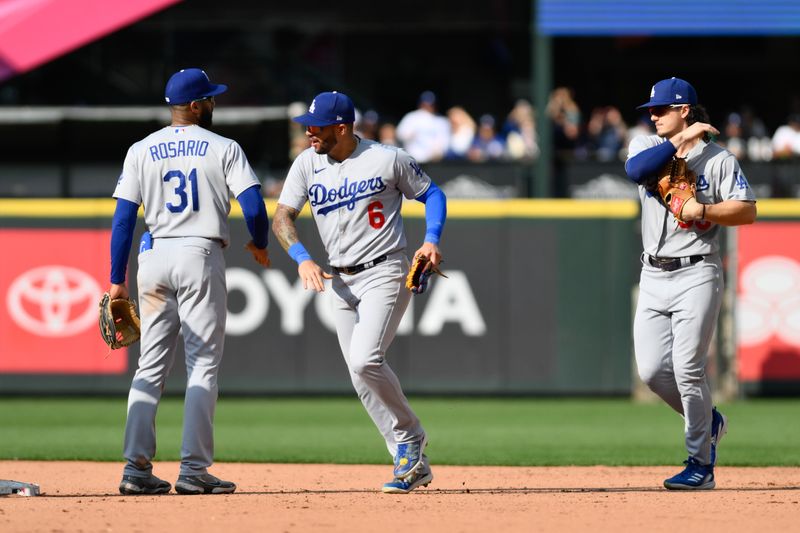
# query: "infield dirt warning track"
{"type": "Point", "coordinates": [83, 497]}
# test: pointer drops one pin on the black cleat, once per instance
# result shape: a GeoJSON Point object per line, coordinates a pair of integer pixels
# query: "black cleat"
{"type": "Point", "coordinates": [203, 484]}
{"type": "Point", "coordinates": [134, 485]}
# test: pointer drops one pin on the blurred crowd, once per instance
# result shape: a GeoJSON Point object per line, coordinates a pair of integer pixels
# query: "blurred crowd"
{"type": "Point", "coordinates": [431, 135]}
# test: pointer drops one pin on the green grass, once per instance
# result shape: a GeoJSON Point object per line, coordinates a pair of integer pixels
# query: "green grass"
{"type": "Point", "coordinates": [517, 431]}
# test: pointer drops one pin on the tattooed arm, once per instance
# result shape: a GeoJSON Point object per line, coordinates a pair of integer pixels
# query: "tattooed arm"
{"type": "Point", "coordinates": [286, 232]}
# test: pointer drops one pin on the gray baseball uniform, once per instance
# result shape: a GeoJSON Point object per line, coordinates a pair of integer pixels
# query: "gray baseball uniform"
{"type": "Point", "coordinates": [678, 309]}
{"type": "Point", "coordinates": [184, 176]}
{"type": "Point", "coordinates": [356, 206]}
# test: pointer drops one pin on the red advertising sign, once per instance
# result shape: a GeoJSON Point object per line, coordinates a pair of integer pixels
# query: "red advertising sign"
{"type": "Point", "coordinates": [768, 302]}
{"type": "Point", "coordinates": [50, 284]}
{"type": "Point", "coordinates": [34, 32]}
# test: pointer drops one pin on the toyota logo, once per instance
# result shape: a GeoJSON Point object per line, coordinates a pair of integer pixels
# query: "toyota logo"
{"type": "Point", "coordinates": [769, 301]}
{"type": "Point", "coordinates": [54, 301]}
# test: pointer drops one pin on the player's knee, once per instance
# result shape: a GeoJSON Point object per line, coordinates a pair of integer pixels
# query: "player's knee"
{"type": "Point", "coordinates": [689, 377]}
{"type": "Point", "coordinates": [650, 375]}
{"type": "Point", "coordinates": [365, 365]}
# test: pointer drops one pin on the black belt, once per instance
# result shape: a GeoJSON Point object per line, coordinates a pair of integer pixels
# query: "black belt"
{"type": "Point", "coordinates": [359, 268]}
{"type": "Point", "coordinates": [672, 263]}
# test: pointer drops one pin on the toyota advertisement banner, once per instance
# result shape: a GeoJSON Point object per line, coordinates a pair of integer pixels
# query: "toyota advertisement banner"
{"type": "Point", "coordinates": [768, 303]}
{"type": "Point", "coordinates": [51, 281]}
{"type": "Point", "coordinates": [514, 315]}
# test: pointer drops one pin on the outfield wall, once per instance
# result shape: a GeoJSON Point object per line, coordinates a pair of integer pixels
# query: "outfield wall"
{"type": "Point", "coordinates": [538, 301]}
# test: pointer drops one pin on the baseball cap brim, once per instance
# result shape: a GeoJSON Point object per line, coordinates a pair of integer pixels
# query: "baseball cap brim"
{"type": "Point", "coordinates": [213, 90]}
{"type": "Point", "coordinates": [216, 88]}
{"type": "Point", "coordinates": [655, 103]}
{"type": "Point", "coordinates": [310, 120]}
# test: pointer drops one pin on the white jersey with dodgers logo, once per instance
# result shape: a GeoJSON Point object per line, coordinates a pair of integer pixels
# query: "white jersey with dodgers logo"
{"type": "Point", "coordinates": [719, 178]}
{"type": "Point", "coordinates": [356, 203]}
{"type": "Point", "coordinates": [184, 176]}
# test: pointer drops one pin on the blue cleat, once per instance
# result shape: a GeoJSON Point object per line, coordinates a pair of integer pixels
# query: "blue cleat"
{"type": "Point", "coordinates": [694, 477]}
{"type": "Point", "coordinates": [719, 427]}
{"type": "Point", "coordinates": [409, 458]}
{"type": "Point", "coordinates": [404, 486]}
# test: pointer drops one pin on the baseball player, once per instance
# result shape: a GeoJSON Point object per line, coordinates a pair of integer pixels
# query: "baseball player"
{"type": "Point", "coordinates": [680, 288]}
{"type": "Point", "coordinates": [355, 189]}
{"type": "Point", "coordinates": [183, 174]}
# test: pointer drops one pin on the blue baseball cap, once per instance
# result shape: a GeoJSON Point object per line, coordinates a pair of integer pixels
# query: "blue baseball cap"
{"type": "Point", "coordinates": [671, 91]}
{"type": "Point", "coordinates": [427, 97]}
{"type": "Point", "coordinates": [327, 109]}
{"type": "Point", "coordinates": [190, 84]}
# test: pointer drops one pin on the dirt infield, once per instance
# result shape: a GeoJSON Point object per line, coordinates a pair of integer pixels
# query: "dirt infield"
{"type": "Point", "coordinates": [82, 496]}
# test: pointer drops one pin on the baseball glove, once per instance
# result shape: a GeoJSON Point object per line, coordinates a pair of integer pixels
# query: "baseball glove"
{"type": "Point", "coordinates": [421, 269]}
{"type": "Point", "coordinates": [119, 322]}
{"type": "Point", "coordinates": [676, 185]}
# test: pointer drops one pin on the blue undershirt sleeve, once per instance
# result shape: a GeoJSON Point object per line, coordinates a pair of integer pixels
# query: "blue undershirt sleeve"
{"type": "Point", "coordinates": [435, 212]}
{"type": "Point", "coordinates": [255, 215]}
{"type": "Point", "coordinates": [648, 162]}
{"type": "Point", "coordinates": [122, 226]}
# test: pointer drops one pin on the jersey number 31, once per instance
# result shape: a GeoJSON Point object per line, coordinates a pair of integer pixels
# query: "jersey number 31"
{"type": "Point", "coordinates": [180, 190]}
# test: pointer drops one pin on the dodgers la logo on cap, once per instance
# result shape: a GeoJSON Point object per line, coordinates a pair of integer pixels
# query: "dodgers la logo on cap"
{"type": "Point", "coordinates": [327, 109]}
{"type": "Point", "coordinates": [671, 91]}
{"type": "Point", "coordinates": [191, 84]}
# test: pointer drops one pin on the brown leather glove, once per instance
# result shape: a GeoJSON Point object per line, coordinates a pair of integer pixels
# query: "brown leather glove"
{"type": "Point", "coordinates": [421, 269]}
{"type": "Point", "coordinates": [676, 185]}
{"type": "Point", "coordinates": [119, 322]}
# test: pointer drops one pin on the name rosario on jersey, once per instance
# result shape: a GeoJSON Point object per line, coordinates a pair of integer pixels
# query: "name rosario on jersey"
{"type": "Point", "coordinates": [178, 149]}
{"type": "Point", "coordinates": [347, 194]}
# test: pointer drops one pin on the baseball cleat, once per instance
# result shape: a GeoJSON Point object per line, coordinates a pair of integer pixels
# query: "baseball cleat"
{"type": "Point", "coordinates": [694, 477]}
{"type": "Point", "coordinates": [719, 427]}
{"type": "Point", "coordinates": [134, 485]}
{"type": "Point", "coordinates": [409, 457]}
{"type": "Point", "coordinates": [203, 484]}
{"type": "Point", "coordinates": [404, 486]}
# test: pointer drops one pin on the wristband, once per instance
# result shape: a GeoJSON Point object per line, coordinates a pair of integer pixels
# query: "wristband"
{"type": "Point", "coordinates": [299, 253]}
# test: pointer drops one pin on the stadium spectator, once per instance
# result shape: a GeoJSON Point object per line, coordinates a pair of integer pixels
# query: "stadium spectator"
{"type": "Point", "coordinates": [462, 132]}
{"type": "Point", "coordinates": [519, 131]}
{"type": "Point", "coordinates": [566, 117]}
{"type": "Point", "coordinates": [732, 136]}
{"type": "Point", "coordinates": [786, 140]}
{"type": "Point", "coordinates": [387, 134]}
{"type": "Point", "coordinates": [297, 134]}
{"type": "Point", "coordinates": [487, 145]}
{"type": "Point", "coordinates": [424, 134]}
{"type": "Point", "coordinates": [366, 125]}
{"type": "Point", "coordinates": [643, 126]}
{"type": "Point", "coordinates": [753, 133]}
{"type": "Point", "coordinates": [606, 133]}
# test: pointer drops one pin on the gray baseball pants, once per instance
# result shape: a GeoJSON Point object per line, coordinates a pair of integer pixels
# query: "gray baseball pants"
{"type": "Point", "coordinates": [182, 289]}
{"type": "Point", "coordinates": [368, 307]}
{"type": "Point", "coordinates": [674, 323]}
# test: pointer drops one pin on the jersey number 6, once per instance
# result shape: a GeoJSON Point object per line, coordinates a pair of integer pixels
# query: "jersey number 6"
{"type": "Point", "coordinates": [180, 190]}
{"type": "Point", "coordinates": [376, 218]}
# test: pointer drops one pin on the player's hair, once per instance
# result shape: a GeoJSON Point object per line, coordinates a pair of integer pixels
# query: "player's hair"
{"type": "Point", "coordinates": [698, 113]}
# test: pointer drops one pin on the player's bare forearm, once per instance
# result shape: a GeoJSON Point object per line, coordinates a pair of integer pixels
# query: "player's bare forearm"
{"type": "Point", "coordinates": [731, 213]}
{"type": "Point", "coordinates": [283, 226]}
{"type": "Point", "coordinates": [693, 132]}
{"type": "Point", "coordinates": [726, 213]}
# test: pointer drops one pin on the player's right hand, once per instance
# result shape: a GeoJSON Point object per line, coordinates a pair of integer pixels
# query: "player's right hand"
{"type": "Point", "coordinates": [260, 255]}
{"type": "Point", "coordinates": [696, 131]}
{"type": "Point", "coordinates": [118, 290]}
{"type": "Point", "coordinates": [312, 275]}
